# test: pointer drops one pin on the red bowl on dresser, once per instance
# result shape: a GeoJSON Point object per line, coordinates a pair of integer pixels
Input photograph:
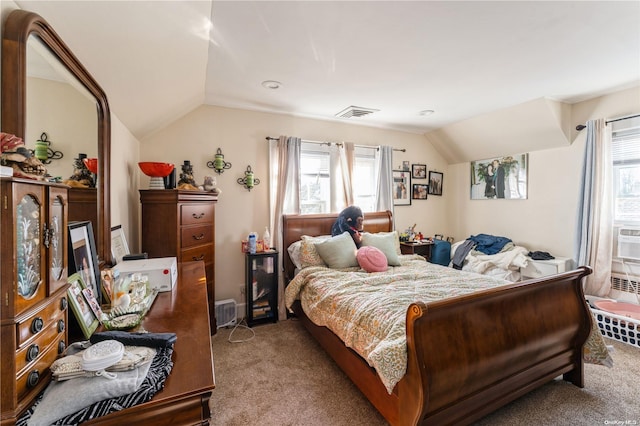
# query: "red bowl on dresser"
{"type": "Point", "coordinates": [153, 169]}
{"type": "Point", "coordinates": [91, 164]}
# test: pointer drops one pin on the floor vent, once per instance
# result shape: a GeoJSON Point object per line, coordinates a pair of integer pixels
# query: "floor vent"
{"type": "Point", "coordinates": [620, 282]}
{"type": "Point", "coordinates": [225, 313]}
{"type": "Point", "coordinates": [355, 112]}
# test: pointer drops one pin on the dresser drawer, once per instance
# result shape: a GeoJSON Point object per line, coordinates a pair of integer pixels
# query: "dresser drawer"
{"type": "Point", "coordinates": [204, 253]}
{"type": "Point", "coordinates": [195, 235]}
{"type": "Point", "coordinates": [194, 214]}
{"type": "Point", "coordinates": [32, 376]}
{"type": "Point", "coordinates": [35, 324]}
{"type": "Point", "coordinates": [27, 354]}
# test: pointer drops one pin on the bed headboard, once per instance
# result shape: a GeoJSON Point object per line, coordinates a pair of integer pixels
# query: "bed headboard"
{"type": "Point", "coordinates": [294, 226]}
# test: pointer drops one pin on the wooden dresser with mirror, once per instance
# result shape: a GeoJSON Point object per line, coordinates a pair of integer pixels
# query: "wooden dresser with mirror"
{"type": "Point", "coordinates": [37, 315]}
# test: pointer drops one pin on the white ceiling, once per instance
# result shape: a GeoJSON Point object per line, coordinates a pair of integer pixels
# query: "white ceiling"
{"type": "Point", "coordinates": [159, 60]}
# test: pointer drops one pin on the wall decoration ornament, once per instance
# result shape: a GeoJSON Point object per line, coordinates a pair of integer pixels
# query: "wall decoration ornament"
{"type": "Point", "coordinates": [249, 180]}
{"type": "Point", "coordinates": [43, 151]}
{"type": "Point", "coordinates": [500, 177]}
{"type": "Point", "coordinates": [218, 164]}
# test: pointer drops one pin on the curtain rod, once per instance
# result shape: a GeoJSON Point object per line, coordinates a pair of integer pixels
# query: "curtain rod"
{"type": "Point", "coordinates": [269, 138]}
{"type": "Point", "coordinates": [582, 126]}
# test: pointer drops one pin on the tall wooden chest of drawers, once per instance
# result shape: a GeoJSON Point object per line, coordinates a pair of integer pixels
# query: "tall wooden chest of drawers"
{"type": "Point", "coordinates": [34, 285]}
{"type": "Point", "coordinates": [182, 224]}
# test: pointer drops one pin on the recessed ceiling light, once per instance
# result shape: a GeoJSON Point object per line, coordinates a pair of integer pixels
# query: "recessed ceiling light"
{"type": "Point", "coordinates": [271, 84]}
{"type": "Point", "coordinates": [426, 112]}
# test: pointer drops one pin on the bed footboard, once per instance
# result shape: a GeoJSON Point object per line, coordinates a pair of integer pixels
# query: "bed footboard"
{"type": "Point", "coordinates": [469, 355]}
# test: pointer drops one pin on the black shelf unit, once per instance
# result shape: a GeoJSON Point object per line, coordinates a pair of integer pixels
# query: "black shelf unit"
{"type": "Point", "coordinates": [261, 274]}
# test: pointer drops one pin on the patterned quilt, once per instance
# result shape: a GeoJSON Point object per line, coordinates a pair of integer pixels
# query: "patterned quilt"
{"type": "Point", "coordinates": [368, 311]}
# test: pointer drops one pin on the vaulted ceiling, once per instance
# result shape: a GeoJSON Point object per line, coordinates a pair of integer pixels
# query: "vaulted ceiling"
{"type": "Point", "coordinates": [158, 60]}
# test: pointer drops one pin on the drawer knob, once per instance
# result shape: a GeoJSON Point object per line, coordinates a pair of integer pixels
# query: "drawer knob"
{"type": "Point", "coordinates": [61, 346]}
{"type": "Point", "coordinates": [60, 326]}
{"type": "Point", "coordinates": [63, 303]}
{"type": "Point", "coordinates": [32, 352]}
{"type": "Point", "coordinates": [36, 325]}
{"type": "Point", "coordinates": [33, 378]}
{"type": "Point", "coordinates": [201, 257]}
{"type": "Point", "coordinates": [197, 216]}
{"type": "Point", "coordinates": [198, 237]}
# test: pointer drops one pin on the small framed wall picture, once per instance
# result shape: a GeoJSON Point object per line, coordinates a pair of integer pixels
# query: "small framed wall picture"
{"type": "Point", "coordinates": [435, 183]}
{"type": "Point", "coordinates": [418, 171]}
{"type": "Point", "coordinates": [401, 188]}
{"type": "Point", "coordinates": [80, 306]}
{"type": "Point", "coordinates": [419, 191]}
{"type": "Point", "coordinates": [405, 166]}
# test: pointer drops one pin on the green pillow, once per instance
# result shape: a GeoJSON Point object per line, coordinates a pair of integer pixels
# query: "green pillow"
{"type": "Point", "coordinates": [338, 252]}
{"type": "Point", "coordinates": [386, 242]}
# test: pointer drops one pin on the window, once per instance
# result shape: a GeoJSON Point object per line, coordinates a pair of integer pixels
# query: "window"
{"type": "Point", "coordinates": [320, 178]}
{"type": "Point", "coordinates": [315, 185]}
{"type": "Point", "coordinates": [626, 171]}
{"type": "Point", "coordinates": [365, 181]}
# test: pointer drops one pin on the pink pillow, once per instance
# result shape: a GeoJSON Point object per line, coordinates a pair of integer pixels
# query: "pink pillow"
{"type": "Point", "coordinates": [372, 259]}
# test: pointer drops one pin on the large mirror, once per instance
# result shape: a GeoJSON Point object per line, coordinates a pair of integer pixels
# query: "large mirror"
{"type": "Point", "coordinates": [46, 89]}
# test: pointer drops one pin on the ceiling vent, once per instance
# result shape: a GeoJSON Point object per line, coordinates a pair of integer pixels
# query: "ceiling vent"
{"type": "Point", "coordinates": [355, 112]}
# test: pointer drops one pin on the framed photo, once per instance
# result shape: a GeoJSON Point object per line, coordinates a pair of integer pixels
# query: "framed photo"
{"type": "Point", "coordinates": [420, 191]}
{"type": "Point", "coordinates": [401, 188]}
{"type": "Point", "coordinates": [500, 178]}
{"type": "Point", "coordinates": [119, 247]}
{"type": "Point", "coordinates": [419, 171]}
{"type": "Point", "coordinates": [435, 183]}
{"type": "Point", "coordinates": [93, 303]}
{"type": "Point", "coordinates": [405, 166]}
{"type": "Point", "coordinates": [80, 306]}
{"type": "Point", "coordinates": [107, 280]}
{"type": "Point", "coordinates": [82, 256]}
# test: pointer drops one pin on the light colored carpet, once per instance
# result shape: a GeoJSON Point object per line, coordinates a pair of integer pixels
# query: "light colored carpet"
{"type": "Point", "coordinates": [283, 377]}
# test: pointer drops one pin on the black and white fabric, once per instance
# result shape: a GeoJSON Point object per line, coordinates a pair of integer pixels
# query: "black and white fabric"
{"type": "Point", "coordinates": [154, 381]}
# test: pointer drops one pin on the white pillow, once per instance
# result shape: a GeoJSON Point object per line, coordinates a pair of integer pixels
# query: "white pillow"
{"type": "Point", "coordinates": [387, 242]}
{"type": "Point", "coordinates": [294, 253]}
{"type": "Point", "coordinates": [339, 251]}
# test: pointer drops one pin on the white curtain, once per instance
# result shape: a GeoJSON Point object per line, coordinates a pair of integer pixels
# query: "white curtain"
{"type": "Point", "coordinates": [594, 237]}
{"type": "Point", "coordinates": [347, 160]}
{"type": "Point", "coordinates": [384, 194]}
{"type": "Point", "coordinates": [284, 193]}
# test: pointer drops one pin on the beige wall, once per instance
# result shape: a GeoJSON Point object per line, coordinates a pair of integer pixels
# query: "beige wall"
{"type": "Point", "coordinates": [68, 118]}
{"type": "Point", "coordinates": [241, 136]}
{"type": "Point", "coordinates": [547, 219]}
{"type": "Point", "coordinates": [125, 151]}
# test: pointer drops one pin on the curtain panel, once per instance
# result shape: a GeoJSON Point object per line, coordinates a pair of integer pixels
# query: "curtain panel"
{"type": "Point", "coordinates": [594, 236]}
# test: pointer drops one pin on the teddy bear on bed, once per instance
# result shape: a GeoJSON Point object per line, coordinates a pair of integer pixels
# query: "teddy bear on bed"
{"type": "Point", "coordinates": [349, 220]}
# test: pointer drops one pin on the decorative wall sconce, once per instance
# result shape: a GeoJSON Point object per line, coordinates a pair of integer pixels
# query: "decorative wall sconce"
{"type": "Point", "coordinates": [248, 181]}
{"type": "Point", "coordinates": [43, 151]}
{"type": "Point", "coordinates": [218, 164]}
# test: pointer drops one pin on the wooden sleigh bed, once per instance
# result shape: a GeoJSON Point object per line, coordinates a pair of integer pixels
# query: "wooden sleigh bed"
{"type": "Point", "coordinates": [460, 365]}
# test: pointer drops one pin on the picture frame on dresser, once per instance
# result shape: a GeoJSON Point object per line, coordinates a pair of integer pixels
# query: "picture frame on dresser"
{"type": "Point", "coordinates": [82, 256]}
{"type": "Point", "coordinates": [80, 306]}
{"type": "Point", "coordinates": [119, 246]}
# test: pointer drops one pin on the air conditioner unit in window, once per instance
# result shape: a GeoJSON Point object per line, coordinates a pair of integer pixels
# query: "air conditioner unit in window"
{"type": "Point", "coordinates": [629, 243]}
{"type": "Point", "coordinates": [225, 313]}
